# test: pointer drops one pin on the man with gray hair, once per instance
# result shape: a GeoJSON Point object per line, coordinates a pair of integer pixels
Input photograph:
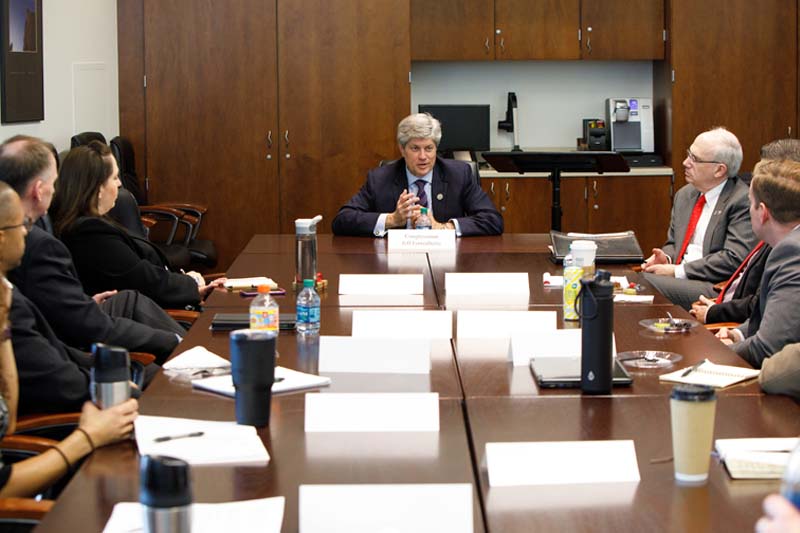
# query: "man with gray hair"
{"type": "Point", "coordinates": [394, 194]}
{"type": "Point", "coordinates": [709, 232]}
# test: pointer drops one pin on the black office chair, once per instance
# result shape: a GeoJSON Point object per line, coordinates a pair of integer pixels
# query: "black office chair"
{"type": "Point", "coordinates": [82, 139]}
{"type": "Point", "coordinates": [473, 166]}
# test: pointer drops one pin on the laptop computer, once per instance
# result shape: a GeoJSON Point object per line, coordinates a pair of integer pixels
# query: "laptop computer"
{"type": "Point", "coordinates": [565, 372]}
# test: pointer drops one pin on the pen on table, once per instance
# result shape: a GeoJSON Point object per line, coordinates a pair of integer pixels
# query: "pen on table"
{"type": "Point", "coordinates": [693, 368]}
{"type": "Point", "coordinates": [175, 437]}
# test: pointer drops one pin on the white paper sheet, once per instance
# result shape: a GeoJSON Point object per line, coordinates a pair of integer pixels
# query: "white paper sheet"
{"type": "Point", "coordinates": [561, 463]}
{"type": "Point", "coordinates": [552, 280]}
{"type": "Point", "coordinates": [402, 324]}
{"type": "Point", "coordinates": [380, 284]}
{"type": "Point", "coordinates": [381, 300]}
{"type": "Point", "coordinates": [384, 508]}
{"type": "Point", "coordinates": [209, 517]}
{"type": "Point", "coordinates": [290, 381]}
{"type": "Point", "coordinates": [249, 283]}
{"type": "Point", "coordinates": [549, 343]}
{"type": "Point", "coordinates": [371, 412]}
{"type": "Point", "coordinates": [366, 355]}
{"type": "Point", "coordinates": [197, 358]}
{"type": "Point", "coordinates": [486, 283]}
{"type": "Point", "coordinates": [222, 443]}
{"type": "Point", "coordinates": [504, 324]}
{"type": "Point", "coordinates": [634, 298]}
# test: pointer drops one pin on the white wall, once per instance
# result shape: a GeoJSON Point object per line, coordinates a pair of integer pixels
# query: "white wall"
{"type": "Point", "coordinates": [553, 96]}
{"type": "Point", "coordinates": [80, 72]}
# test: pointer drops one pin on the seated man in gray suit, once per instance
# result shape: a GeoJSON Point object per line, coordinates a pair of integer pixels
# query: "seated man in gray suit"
{"type": "Point", "coordinates": [709, 232]}
{"type": "Point", "coordinates": [395, 193]}
{"type": "Point", "coordinates": [775, 212]}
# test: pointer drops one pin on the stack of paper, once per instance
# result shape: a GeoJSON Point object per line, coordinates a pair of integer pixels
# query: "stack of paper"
{"type": "Point", "coordinates": [708, 373]}
{"type": "Point", "coordinates": [755, 458]}
{"type": "Point", "coordinates": [287, 380]}
{"type": "Point", "coordinates": [196, 361]}
{"type": "Point", "coordinates": [200, 442]}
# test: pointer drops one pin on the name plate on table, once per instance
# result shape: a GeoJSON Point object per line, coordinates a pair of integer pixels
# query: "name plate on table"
{"type": "Point", "coordinates": [380, 284]}
{"type": "Point", "coordinates": [422, 508]}
{"type": "Point", "coordinates": [486, 283]}
{"type": "Point", "coordinates": [548, 343]}
{"type": "Point", "coordinates": [403, 324]}
{"type": "Point", "coordinates": [365, 355]}
{"type": "Point", "coordinates": [512, 464]}
{"type": "Point", "coordinates": [435, 240]}
{"type": "Point", "coordinates": [504, 324]}
{"type": "Point", "coordinates": [376, 412]}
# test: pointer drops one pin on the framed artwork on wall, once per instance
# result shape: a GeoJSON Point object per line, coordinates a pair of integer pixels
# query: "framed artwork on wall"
{"type": "Point", "coordinates": [21, 76]}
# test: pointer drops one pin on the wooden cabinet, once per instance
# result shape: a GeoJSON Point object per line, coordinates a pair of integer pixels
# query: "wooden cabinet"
{"type": "Point", "coordinates": [457, 30]}
{"type": "Point", "coordinates": [523, 202]}
{"type": "Point", "coordinates": [622, 29]}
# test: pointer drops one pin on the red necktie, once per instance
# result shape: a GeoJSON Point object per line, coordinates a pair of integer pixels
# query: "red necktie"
{"type": "Point", "coordinates": [696, 212]}
{"type": "Point", "coordinates": [739, 270]}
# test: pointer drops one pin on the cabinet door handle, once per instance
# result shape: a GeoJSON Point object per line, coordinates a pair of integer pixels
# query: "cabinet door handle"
{"type": "Point", "coordinates": [594, 188]}
{"type": "Point", "coordinates": [502, 44]}
{"type": "Point", "coordinates": [790, 131]}
{"type": "Point", "coordinates": [589, 40]}
{"type": "Point", "coordinates": [491, 188]}
{"type": "Point", "coordinates": [508, 193]}
{"type": "Point", "coordinates": [286, 137]}
{"type": "Point", "coordinates": [269, 144]}
{"type": "Point", "coordinates": [486, 45]}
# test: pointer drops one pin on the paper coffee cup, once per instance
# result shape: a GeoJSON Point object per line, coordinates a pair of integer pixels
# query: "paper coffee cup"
{"type": "Point", "coordinates": [692, 409]}
{"type": "Point", "coordinates": [584, 253]}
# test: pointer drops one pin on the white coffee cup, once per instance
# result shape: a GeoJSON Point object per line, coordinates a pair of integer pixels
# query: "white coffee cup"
{"type": "Point", "coordinates": [584, 253]}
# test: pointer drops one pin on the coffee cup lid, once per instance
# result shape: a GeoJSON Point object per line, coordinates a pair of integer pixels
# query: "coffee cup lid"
{"type": "Point", "coordinates": [693, 393]}
{"type": "Point", "coordinates": [583, 245]}
{"type": "Point", "coordinates": [164, 482]}
{"type": "Point", "coordinates": [252, 334]}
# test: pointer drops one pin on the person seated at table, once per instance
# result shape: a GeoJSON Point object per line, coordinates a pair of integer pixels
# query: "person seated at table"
{"type": "Point", "coordinates": [780, 516]}
{"type": "Point", "coordinates": [47, 276]}
{"type": "Point", "coordinates": [780, 372]}
{"type": "Point", "coordinates": [739, 295]}
{"type": "Point", "coordinates": [709, 233]}
{"type": "Point", "coordinates": [105, 255]}
{"type": "Point", "coordinates": [394, 194]}
{"type": "Point", "coordinates": [96, 427]}
{"type": "Point", "coordinates": [775, 212]}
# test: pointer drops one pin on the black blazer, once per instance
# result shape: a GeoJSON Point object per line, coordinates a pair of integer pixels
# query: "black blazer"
{"type": "Point", "coordinates": [454, 195]}
{"type": "Point", "coordinates": [745, 297]}
{"type": "Point", "coordinates": [107, 257]}
{"type": "Point", "coordinates": [48, 278]}
{"type": "Point", "coordinates": [53, 378]}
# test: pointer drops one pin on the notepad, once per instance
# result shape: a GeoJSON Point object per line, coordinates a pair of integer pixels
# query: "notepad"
{"type": "Point", "coordinates": [755, 458]}
{"type": "Point", "coordinates": [290, 381]}
{"type": "Point", "coordinates": [241, 284]}
{"type": "Point", "coordinates": [717, 376]}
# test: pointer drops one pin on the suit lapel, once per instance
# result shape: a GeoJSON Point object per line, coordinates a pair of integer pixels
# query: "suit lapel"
{"type": "Point", "coordinates": [719, 208]}
{"type": "Point", "coordinates": [438, 188]}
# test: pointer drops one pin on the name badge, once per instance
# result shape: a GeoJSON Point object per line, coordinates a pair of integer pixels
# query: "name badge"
{"type": "Point", "coordinates": [401, 240]}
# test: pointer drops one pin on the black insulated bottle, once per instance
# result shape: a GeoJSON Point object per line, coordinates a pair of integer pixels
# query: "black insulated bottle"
{"type": "Point", "coordinates": [596, 309]}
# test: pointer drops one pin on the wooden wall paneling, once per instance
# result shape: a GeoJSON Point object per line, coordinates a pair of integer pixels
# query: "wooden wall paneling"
{"type": "Point", "coordinates": [735, 65]}
{"type": "Point", "coordinates": [130, 57]}
{"type": "Point", "coordinates": [622, 29]}
{"type": "Point", "coordinates": [211, 101]}
{"type": "Point", "coordinates": [343, 87]}
{"type": "Point", "coordinates": [452, 30]}
{"type": "Point", "coordinates": [537, 29]}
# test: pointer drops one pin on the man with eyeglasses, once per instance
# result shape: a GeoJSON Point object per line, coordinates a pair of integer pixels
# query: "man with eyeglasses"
{"type": "Point", "coordinates": [395, 193]}
{"type": "Point", "coordinates": [710, 232]}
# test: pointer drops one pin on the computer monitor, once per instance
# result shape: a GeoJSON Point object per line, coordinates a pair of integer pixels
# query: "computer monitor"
{"type": "Point", "coordinates": [464, 127]}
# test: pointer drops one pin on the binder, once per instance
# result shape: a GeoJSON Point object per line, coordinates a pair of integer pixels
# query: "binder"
{"type": "Point", "coordinates": [620, 247]}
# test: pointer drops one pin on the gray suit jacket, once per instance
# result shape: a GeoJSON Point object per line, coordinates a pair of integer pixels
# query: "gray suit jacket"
{"type": "Point", "coordinates": [729, 237]}
{"type": "Point", "coordinates": [780, 373]}
{"type": "Point", "coordinates": [775, 322]}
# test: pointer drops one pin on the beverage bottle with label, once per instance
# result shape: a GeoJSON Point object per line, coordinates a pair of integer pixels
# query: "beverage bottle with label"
{"type": "Point", "coordinates": [424, 221]}
{"type": "Point", "coordinates": [264, 311]}
{"type": "Point", "coordinates": [572, 286]}
{"type": "Point", "coordinates": [308, 308]}
{"type": "Point", "coordinates": [790, 489]}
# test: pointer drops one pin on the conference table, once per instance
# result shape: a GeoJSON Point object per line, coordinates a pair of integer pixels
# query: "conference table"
{"type": "Point", "coordinates": [483, 398]}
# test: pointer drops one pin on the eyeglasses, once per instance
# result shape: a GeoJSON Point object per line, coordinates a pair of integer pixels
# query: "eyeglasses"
{"type": "Point", "coordinates": [27, 224]}
{"type": "Point", "coordinates": [695, 159]}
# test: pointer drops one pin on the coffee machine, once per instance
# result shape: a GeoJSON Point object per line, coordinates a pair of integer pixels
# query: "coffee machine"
{"type": "Point", "coordinates": [630, 124]}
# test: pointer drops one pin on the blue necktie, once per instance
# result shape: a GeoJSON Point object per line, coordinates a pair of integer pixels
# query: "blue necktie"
{"type": "Point", "coordinates": [423, 198]}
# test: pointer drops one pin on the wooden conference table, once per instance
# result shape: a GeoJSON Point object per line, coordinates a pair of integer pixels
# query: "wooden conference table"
{"type": "Point", "coordinates": [483, 398]}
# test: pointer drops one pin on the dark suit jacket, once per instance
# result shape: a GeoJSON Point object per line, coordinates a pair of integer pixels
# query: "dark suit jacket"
{"type": "Point", "coordinates": [461, 199]}
{"type": "Point", "coordinates": [53, 378]}
{"type": "Point", "coordinates": [107, 258]}
{"type": "Point", "coordinates": [745, 297]}
{"type": "Point", "coordinates": [775, 322]}
{"type": "Point", "coordinates": [47, 277]}
{"type": "Point", "coordinates": [729, 237]}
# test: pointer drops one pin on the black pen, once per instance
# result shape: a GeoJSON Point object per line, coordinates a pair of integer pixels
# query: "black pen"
{"type": "Point", "coordinates": [693, 368]}
{"type": "Point", "coordinates": [175, 437]}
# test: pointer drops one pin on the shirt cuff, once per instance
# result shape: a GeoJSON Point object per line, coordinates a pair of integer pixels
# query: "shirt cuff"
{"type": "Point", "coordinates": [458, 228]}
{"type": "Point", "coordinates": [380, 225]}
{"type": "Point", "coordinates": [680, 271]}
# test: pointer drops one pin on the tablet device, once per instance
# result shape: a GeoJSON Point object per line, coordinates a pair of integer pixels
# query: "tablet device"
{"type": "Point", "coordinates": [565, 372]}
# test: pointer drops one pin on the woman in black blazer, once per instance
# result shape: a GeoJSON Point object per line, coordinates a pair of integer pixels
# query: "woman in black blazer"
{"type": "Point", "coordinates": [106, 256]}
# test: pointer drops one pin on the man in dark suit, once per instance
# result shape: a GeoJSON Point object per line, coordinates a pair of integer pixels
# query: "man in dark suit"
{"type": "Point", "coordinates": [394, 194]}
{"type": "Point", "coordinates": [47, 276]}
{"type": "Point", "coordinates": [709, 233]}
{"type": "Point", "coordinates": [775, 212]}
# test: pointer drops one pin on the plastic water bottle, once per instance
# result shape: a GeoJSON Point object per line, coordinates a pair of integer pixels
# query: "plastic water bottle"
{"type": "Point", "coordinates": [790, 489]}
{"type": "Point", "coordinates": [264, 313]}
{"type": "Point", "coordinates": [572, 286]}
{"type": "Point", "coordinates": [308, 308]}
{"type": "Point", "coordinates": [423, 221]}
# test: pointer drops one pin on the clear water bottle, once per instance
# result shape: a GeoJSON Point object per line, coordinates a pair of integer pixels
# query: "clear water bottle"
{"type": "Point", "coordinates": [264, 311]}
{"type": "Point", "coordinates": [308, 308]}
{"type": "Point", "coordinates": [423, 221]}
{"type": "Point", "coordinates": [790, 489]}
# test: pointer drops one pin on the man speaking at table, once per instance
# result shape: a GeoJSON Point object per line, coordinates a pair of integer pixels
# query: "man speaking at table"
{"type": "Point", "coordinates": [394, 194]}
{"type": "Point", "coordinates": [709, 232]}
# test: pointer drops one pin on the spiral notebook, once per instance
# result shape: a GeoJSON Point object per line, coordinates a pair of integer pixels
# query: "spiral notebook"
{"type": "Point", "coordinates": [707, 373]}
